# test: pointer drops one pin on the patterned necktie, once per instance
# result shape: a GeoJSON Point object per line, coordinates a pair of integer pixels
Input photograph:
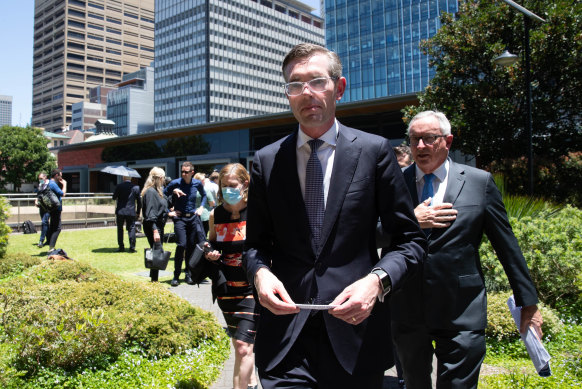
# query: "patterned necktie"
{"type": "Point", "coordinates": [314, 192]}
{"type": "Point", "coordinates": [427, 190]}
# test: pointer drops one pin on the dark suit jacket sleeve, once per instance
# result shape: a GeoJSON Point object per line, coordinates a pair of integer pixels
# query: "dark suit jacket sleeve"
{"type": "Point", "coordinates": [503, 240]}
{"type": "Point", "coordinates": [259, 239]}
{"type": "Point", "coordinates": [408, 245]}
{"type": "Point", "coordinates": [137, 197]}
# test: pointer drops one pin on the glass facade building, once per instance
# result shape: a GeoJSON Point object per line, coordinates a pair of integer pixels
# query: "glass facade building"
{"type": "Point", "coordinates": [131, 106]}
{"type": "Point", "coordinates": [378, 43]}
{"type": "Point", "coordinates": [221, 59]}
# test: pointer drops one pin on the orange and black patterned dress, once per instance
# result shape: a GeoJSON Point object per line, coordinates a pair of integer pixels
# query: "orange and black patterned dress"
{"type": "Point", "coordinates": [236, 300]}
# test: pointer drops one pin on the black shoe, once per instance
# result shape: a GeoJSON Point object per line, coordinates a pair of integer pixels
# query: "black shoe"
{"type": "Point", "coordinates": [40, 245]}
{"type": "Point", "coordinates": [175, 282]}
{"type": "Point", "coordinates": [121, 249]}
{"type": "Point", "coordinates": [131, 251]}
{"type": "Point", "coordinates": [188, 280]}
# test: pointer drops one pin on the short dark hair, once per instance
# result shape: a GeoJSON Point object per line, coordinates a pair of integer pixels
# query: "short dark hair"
{"type": "Point", "coordinates": [188, 164]}
{"type": "Point", "coordinates": [306, 50]}
{"type": "Point", "coordinates": [56, 172]}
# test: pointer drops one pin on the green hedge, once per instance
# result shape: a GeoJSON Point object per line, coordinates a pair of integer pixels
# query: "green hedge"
{"type": "Point", "coordinates": [552, 246]}
{"type": "Point", "coordinates": [500, 324]}
{"type": "Point", "coordinates": [4, 229]}
{"type": "Point", "coordinates": [65, 316]}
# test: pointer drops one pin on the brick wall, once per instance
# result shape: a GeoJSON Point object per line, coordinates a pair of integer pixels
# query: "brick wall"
{"type": "Point", "coordinates": [90, 157]}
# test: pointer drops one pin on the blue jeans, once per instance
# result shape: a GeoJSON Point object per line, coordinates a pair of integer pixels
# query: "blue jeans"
{"type": "Point", "coordinates": [44, 217]}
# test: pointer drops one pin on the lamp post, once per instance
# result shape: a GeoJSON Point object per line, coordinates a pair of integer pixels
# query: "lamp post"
{"type": "Point", "coordinates": [507, 59]}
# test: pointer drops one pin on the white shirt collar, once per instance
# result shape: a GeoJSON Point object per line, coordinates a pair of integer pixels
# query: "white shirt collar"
{"type": "Point", "coordinates": [329, 137]}
{"type": "Point", "coordinates": [440, 172]}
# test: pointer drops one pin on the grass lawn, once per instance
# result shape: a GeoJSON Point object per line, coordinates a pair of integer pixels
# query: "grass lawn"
{"type": "Point", "coordinates": [97, 247]}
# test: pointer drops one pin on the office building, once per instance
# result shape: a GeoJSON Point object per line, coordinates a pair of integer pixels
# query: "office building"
{"type": "Point", "coordinates": [131, 105]}
{"type": "Point", "coordinates": [378, 43]}
{"type": "Point", "coordinates": [86, 113]}
{"type": "Point", "coordinates": [81, 44]}
{"type": "Point", "coordinates": [218, 60]}
{"type": "Point", "coordinates": [5, 110]}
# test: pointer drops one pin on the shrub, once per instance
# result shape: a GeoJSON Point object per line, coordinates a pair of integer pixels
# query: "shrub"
{"type": "Point", "coordinates": [552, 247]}
{"type": "Point", "coordinates": [4, 229]}
{"type": "Point", "coordinates": [13, 264]}
{"type": "Point", "coordinates": [64, 314]}
{"type": "Point", "coordinates": [500, 324]}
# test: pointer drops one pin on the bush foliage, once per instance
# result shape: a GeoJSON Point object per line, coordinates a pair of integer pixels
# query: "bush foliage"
{"type": "Point", "coordinates": [67, 316]}
{"type": "Point", "coordinates": [552, 247]}
{"type": "Point", "coordinates": [13, 264]}
{"type": "Point", "coordinates": [4, 229]}
{"type": "Point", "coordinates": [500, 324]}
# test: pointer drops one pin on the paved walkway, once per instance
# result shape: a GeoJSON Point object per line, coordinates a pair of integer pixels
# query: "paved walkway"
{"type": "Point", "coordinates": [202, 297]}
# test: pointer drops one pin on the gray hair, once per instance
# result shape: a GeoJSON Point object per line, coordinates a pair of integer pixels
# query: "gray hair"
{"type": "Point", "coordinates": [307, 50]}
{"type": "Point", "coordinates": [444, 124]}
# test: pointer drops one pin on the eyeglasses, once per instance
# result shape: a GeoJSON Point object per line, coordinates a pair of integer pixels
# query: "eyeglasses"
{"type": "Point", "coordinates": [186, 171]}
{"type": "Point", "coordinates": [426, 139]}
{"type": "Point", "coordinates": [315, 85]}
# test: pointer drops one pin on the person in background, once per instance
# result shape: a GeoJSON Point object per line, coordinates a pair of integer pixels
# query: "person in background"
{"type": "Point", "coordinates": [187, 225]}
{"type": "Point", "coordinates": [59, 186]}
{"type": "Point", "coordinates": [211, 185]}
{"type": "Point", "coordinates": [210, 203]}
{"type": "Point", "coordinates": [443, 310]}
{"type": "Point", "coordinates": [44, 214]}
{"type": "Point", "coordinates": [127, 196]}
{"type": "Point", "coordinates": [235, 296]}
{"type": "Point", "coordinates": [155, 211]}
{"type": "Point", "coordinates": [403, 155]}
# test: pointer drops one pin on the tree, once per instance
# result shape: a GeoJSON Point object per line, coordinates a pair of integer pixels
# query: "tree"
{"type": "Point", "coordinates": [23, 154]}
{"type": "Point", "coordinates": [485, 102]}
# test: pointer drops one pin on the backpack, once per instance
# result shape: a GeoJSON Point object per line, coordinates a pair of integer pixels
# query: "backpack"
{"type": "Point", "coordinates": [48, 199]}
{"type": "Point", "coordinates": [28, 227]}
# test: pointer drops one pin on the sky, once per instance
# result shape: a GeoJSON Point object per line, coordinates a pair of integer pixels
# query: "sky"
{"type": "Point", "coordinates": [16, 46]}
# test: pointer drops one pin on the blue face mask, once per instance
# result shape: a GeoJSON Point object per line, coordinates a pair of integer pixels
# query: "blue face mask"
{"type": "Point", "coordinates": [231, 195]}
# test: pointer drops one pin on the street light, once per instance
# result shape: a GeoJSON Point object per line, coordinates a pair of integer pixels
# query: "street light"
{"type": "Point", "coordinates": [507, 59]}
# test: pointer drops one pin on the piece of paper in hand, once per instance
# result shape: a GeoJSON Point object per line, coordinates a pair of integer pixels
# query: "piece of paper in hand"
{"type": "Point", "coordinates": [536, 350]}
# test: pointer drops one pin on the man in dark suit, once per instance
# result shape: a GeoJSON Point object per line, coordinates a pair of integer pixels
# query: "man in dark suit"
{"type": "Point", "coordinates": [446, 303]}
{"type": "Point", "coordinates": [127, 196]}
{"type": "Point", "coordinates": [314, 200]}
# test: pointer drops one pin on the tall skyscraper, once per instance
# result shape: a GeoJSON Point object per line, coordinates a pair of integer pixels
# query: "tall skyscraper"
{"type": "Point", "coordinates": [221, 59]}
{"type": "Point", "coordinates": [5, 110]}
{"type": "Point", "coordinates": [80, 44]}
{"type": "Point", "coordinates": [378, 43]}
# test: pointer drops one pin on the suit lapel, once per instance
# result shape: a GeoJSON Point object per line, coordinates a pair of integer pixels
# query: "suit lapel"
{"type": "Point", "coordinates": [288, 180]}
{"type": "Point", "coordinates": [410, 179]}
{"type": "Point", "coordinates": [455, 184]}
{"type": "Point", "coordinates": [347, 153]}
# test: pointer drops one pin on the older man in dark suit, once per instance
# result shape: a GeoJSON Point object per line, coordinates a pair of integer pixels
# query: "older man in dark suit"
{"type": "Point", "coordinates": [128, 198]}
{"type": "Point", "coordinates": [314, 200]}
{"type": "Point", "coordinates": [446, 303]}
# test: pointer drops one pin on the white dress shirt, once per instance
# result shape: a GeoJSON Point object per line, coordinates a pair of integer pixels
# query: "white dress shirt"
{"type": "Point", "coordinates": [439, 184]}
{"type": "Point", "coordinates": [325, 153]}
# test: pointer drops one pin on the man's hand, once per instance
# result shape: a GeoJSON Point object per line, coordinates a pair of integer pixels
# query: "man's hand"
{"type": "Point", "coordinates": [199, 211]}
{"type": "Point", "coordinates": [357, 300]}
{"type": "Point", "coordinates": [272, 293]}
{"type": "Point", "coordinates": [178, 192]}
{"type": "Point", "coordinates": [157, 237]}
{"type": "Point", "coordinates": [438, 216]}
{"type": "Point", "coordinates": [531, 316]}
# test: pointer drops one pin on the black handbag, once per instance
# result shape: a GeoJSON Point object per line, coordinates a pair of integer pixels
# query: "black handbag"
{"type": "Point", "coordinates": [156, 258]}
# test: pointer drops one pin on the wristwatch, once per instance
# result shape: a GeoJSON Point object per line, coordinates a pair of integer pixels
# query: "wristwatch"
{"type": "Point", "coordinates": [385, 281]}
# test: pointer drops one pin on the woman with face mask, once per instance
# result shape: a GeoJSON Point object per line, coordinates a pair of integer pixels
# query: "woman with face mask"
{"type": "Point", "coordinates": [227, 224]}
